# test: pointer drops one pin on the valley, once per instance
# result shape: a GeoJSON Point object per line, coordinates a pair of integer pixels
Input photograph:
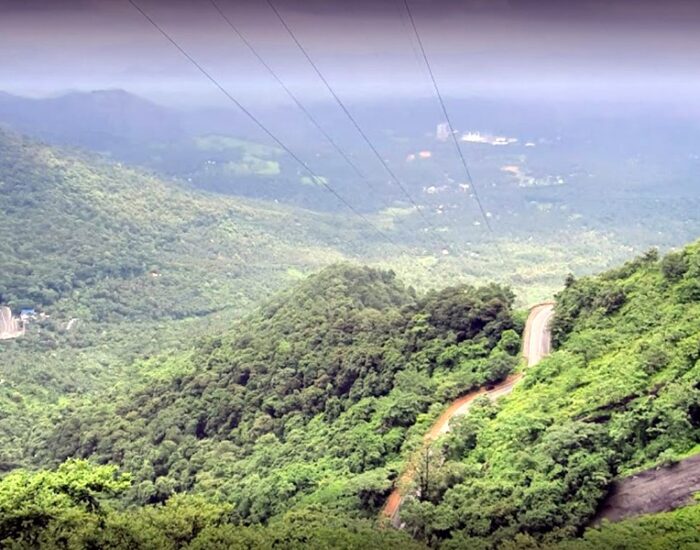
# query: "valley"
{"type": "Point", "coordinates": [313, 275]}
{"type": "Point", "coordinates": [275, 402]}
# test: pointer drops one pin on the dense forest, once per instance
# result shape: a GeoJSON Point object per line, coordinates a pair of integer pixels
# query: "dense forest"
{"type": "Point", "coordinates": [331, 275]}
{"type": "Point", "coordinates": [152, 405]}
{"type": "Point", "coordinates": [292, 427]}
{"type": "Point", "coordinates": [70, 509]}
{"type": "Point", "coordinates": [312, 400]}
{"type": "Point", "coordinates": [123, 244]}
{"type": "Point", "coordinates": [621, 393]}
{"type": "Point", "coordinates": [121, 265]}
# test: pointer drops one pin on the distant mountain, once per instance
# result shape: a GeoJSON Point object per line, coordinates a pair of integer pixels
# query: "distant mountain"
{"type": "Point", "coordinates": [215, 149]}
{"type": "Point", "coordinates": [561, 156]}
{"type": "Point", "coordinates": [109, 121]}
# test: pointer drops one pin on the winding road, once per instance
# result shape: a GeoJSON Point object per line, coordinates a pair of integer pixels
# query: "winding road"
{"type": "Point", "coordinates": [537, 344]}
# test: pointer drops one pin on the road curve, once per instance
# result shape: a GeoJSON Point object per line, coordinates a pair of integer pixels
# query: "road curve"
{"type": "Point", "coordinates": [537, 340]}
{"type": "Point", "coordinates": [536, 345]}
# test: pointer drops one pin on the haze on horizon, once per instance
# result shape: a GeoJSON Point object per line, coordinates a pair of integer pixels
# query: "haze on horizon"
{"type": "Point", "coordinates": [519, 48]}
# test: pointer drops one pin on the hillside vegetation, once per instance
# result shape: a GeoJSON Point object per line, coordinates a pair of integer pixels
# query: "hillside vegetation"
{"type": "Point", "coordinates": [621, 392]}
{"type": "Point", "coordinates": [292, 427]}
{"type": "Point", "coordinates": [71, 509]}
{"type": "Point", "coordinates": [313, 402]}
{"type": "Point", "coordinates": [126, 245]}
{"type": "Point", "coordinates": [309, 401]}
{"type": "Point", "coordinates": [125, 265]}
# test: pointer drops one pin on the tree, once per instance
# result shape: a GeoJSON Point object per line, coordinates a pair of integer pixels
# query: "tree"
{"type": "Point", "coordinates": [674, 266]}
{"type": "Point", "coordinates": [36, 507]}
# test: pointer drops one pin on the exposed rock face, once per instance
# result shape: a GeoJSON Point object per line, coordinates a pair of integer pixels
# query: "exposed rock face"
{"type": "Point", "coordinates": [652, 491]}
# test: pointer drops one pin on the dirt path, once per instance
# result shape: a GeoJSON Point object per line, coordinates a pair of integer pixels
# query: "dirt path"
{"type": "Point", "coordinates": [652, 491]}
{"type": "Point", "coordinates": [536, 345]}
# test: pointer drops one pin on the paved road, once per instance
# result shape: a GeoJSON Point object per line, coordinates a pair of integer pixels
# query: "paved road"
{"type": "Point", "coordinates": [537, 344]}
{"type": "Point", "coordinates": [538, 339]}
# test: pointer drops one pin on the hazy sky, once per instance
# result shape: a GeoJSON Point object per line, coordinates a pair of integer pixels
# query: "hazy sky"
{"type": "Point", "coordinates": [593, 48]}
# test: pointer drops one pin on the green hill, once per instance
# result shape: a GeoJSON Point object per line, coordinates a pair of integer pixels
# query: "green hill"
{"type": "Point", "coordinates": [82, 231]}
{"type": "Point", "coordinates": [293, 425]}
{"type": "Point", "coordinates": [311, 404]}
{"type": "Point", "coordinates": [120, 265]}
{"type": "Point", "coordinates": [309, 401]}
{"type": "Point", "coordinates": [621, 393]}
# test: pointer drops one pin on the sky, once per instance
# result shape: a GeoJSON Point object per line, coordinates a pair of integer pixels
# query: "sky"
{"type": "Point", "coordinates": [601, 49]}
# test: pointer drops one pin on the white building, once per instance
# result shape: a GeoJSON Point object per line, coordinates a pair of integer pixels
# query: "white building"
{"type": "Point", "coordinates": [442, 133]}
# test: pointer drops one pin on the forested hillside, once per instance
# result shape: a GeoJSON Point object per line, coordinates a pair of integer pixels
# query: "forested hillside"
{"type": "Point", "coordinates": [294, 425]}
{"type": "Point", "coordinates": [622, 392]}
{"type": "Point", "coordinates": [120, 265]}
{"type": "Point", "coordinates": [318, 399]}
{"type": "Point", "coordinates": [73, 508]}
{"type": "Point", "coordinates": [309, 401]}
{"type": "Point", "coordinates": [99, 234]}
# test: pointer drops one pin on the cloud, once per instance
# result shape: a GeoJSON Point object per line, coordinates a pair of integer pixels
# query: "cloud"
{"type": "Point", "coordinates": [31, 6]}
{"type": "Point", "coordinates": [365, 47]}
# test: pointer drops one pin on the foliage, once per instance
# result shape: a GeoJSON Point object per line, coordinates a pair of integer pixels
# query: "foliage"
{"type": "Point", "coordinates": [69, 509]}
{"type": "Point", "coordinates": [664, 531]}
{"type": "Point", "coordinates": [310, 400]}
{"type": "Point", "coordinates": [621, 393]}
{"type": "Point", "coordinates": [314, 402]}
{"type": "Point", "coordinates": [674, 266]}
{"type": "Point", "coordinates": [122, 265]}
{"type": "Point", "coordinates": [48, 507]}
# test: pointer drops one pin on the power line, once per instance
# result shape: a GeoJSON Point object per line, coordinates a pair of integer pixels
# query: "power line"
{"type": "Point", "coordinates": [348, 114]}
{"type": "Point", "coordinates": [314, 177]}
{"type": "Point", "coordinates": [450, 127]}
{"type": "Point", "coordinates": [294, 98]}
